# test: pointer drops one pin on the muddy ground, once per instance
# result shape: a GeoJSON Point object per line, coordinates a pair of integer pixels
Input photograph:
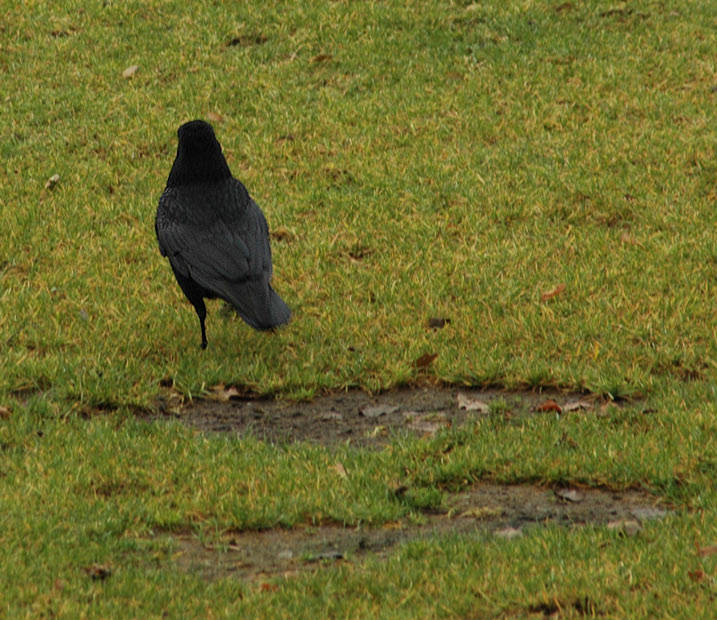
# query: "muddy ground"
{"type": "Point", "coordinates": [368, 421]}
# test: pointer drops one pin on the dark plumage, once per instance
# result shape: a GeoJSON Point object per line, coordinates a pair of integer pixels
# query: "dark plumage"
{"type": "Point", "coordinates": [214, 235]}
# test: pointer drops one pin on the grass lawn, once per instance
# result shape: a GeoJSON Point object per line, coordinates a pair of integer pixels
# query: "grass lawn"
{"type": "Point", "coordinates": [541, 173]}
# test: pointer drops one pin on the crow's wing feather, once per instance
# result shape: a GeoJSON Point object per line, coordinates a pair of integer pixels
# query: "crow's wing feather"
{"type": "Point", "coordinates": [217, 236]}
{"type": "Point", "coordinates": [221, 241]}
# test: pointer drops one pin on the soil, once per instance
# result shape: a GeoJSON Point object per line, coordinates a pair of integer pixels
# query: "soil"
{"type": "Point", "coordinates": [485, 509]}
{"type": "Point", "coordinates": [368, 421]}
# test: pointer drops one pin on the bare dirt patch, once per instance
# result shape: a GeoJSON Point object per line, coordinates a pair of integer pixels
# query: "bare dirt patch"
{"type": "Point", "coordinates": [367, 420]}
{"type": "Point", "coordinates": [485, 509]}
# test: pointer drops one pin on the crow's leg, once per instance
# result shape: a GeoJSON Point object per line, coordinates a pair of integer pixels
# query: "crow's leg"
{"type": "Point", "coordinates": [195, 294]}
{"type": "Point", "coordinates": [202, 314]}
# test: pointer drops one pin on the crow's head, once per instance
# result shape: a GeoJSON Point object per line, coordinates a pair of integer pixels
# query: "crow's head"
{"type": "Point", "coordinates": [199, 156]}
{"type": "Point", "coordinates": [197, 135]}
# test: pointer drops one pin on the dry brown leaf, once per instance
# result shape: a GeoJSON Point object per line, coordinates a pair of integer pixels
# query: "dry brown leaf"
{"type": "Point", "coordinates": [378, 431]}
{"type": "Point", "coordinates": [576, 405]}
{"type": "Point", "coordinates": [629, 527]}
{"type": "Point", "coordinates": [480, 512]}
{"type": "Point", "coordinates": [565, 6]}
{"type": "Point", "coordinates": [245, 40]}
{"type": "Point", "coordinates": [4, 412]}
{"type": "Point", "coordinates": [569, 495]}
{"type": "Point", "coordinates": [471, 404]}
{"type": "Point", "coordinates": [331, 416]}
{"type": "Point", "coordinates": [215, 117]}
{"type": "Point", "coordinates": [98, 571]}
{"type": "Point", "coordinates": [438, 322]}
{"type": "Point", "coordinates": [395, 525]}
{"type": "Point", "coordinates": [509, 532]}
{"type": "Point", "coordinates": [427, 427]}
{"type": "Point", "coordinates": [628, 239]}
{"type": "Point", "coordinates": [377, 411]}
{"type": "Point", "coordinates": [552, 292]}
{"type": "Point", "coordinates": [222, 393]}
{"type": "Point", "coordinates": [648, 513]}
{"type": "Point", "coordinates": [340, 470]}
{"type": "Point", "coordinates": [705, 551]}
{"type": "Point", "coordinates": [569, 441]}
{"type": "Point", "coordinates": [281, 233]}
{"type": "Point", "coordinates": [52, 181]}
{"type": "Point", "coordinates": [696, 575]}
{"type": "Point", "coordinates": [322, 57]}
{"type": "Point", "coordinates": [425, 360]}
{"type": "Point", "coordinates": [549, 405]}
{"type": "Point", "coordinates": [129, 71]}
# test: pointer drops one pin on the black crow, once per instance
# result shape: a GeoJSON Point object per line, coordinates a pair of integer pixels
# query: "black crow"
{"type": "Point", "coordinates": [214, 235]}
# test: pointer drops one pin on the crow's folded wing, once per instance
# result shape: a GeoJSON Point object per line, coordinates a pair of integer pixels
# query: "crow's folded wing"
{"type": "Point", "coordinates": [228, 254]}
{"type": "Point", "coordinates": [213, 249]}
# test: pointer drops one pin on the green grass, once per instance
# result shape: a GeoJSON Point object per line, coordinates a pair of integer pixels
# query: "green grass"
{"type": "Point", "coordinates": [431, 159]}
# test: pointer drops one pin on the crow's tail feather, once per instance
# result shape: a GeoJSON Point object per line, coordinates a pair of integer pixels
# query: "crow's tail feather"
{"type": "Point", "coordinates": [259, 305]}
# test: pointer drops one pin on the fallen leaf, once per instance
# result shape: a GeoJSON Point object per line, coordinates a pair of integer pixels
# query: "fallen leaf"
{"type": "Point", "coordinates": [247, 40]}
{"type": "Point", "coordinates": [340, 470]}
{"type": "Point", "coordinates": [696, 575]}
{"type": "Point", "coordinates": [268, 587]}
{"type": "Point", "coordinates": [627, 238]}
{"type": "Point", "coordinates": [428, 427]}
{"type": "Point", "coordinates": [629, 527]}
{"type": "Point", "coordinates": [470, 404]}
{"type": "Point", "coordinates": [214, 117]}
{"type": "Point", "coordinates": [171, 401]}
{"type": "Point", "coordinates": [129, 71]}
{"type": "Point", "coordinates": [281, 233]}
{"type": "Point", "coordinates": [649, 514]}
{"type": "Point", "coordinates": [222, 393]}
{"type": "Point", "coordinates": [608, 408]}
{"type": "Point", "coordinates": [480, 512]}
{"type": "Point", "coordinates": [569, 495]}
{"type": "Point", "coordinates": [438, 322]}
{"type": "Point", "coordinates": [322, 58]}
{"type": "Point", "coordinates": [330, 416]}
{"type": "Point", "coordinates": [4, 412]}
{"type": "Point", "coordinates": [553, 292]}
{"type": "Point", "coordinates": [576, 405]}
{"type": "Point", "coordinates": [569, 440]}
{"type": "Point", "coordinates": [378, 431]}
{"type": "Point", "coordinates": [377, 411]}
{"type": "Point", "coordinates": [705, 551]}
{"type": "Point", "coordinates": [565, 6]}
{"type": "Point", "coordinates": [549, 405]}
{"type": "Point", "coordinates": [52, 181]}
{"type": "Point", "coordinates": [98, 571]}
{"type": "Point", "coordinates": [509, 532]}
{"type": "Point", "coordinates": [425, 360]}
